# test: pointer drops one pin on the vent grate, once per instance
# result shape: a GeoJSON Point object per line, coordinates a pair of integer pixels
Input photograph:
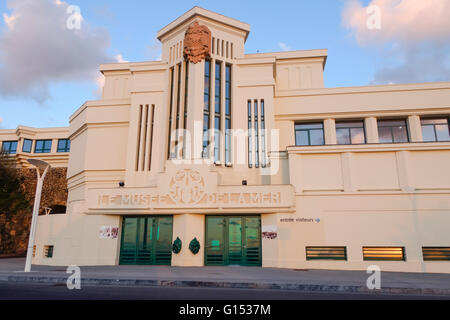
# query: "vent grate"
{"type": "Point", "coordinates": [326, 253]}
{"type": "Point", "coordinates": [436, 253]}
{"type": "Point", "coordinates": [384, 254]}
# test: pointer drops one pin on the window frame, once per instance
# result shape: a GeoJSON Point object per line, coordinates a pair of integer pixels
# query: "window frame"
{"type": "Point", "coordinates": [308, 130]}
{"type": "Point", "coordinates": [206, 110]}
{"type": "Point", "coordinates": [422, 125]}
{"type": "Point", "coordinates": [228, 113]}
{"type": "Point", "coordinates": [66, 148]}
{"type": "Point", "coordinates": [43, 149]}
{"type": "Point", "coordinates": [408, 138]}
{"type": "Point", "coordinates": [31, 146]}
{"type": "Point", "coordinates": [349, 129]}
{"type": "Point", "coordinates": [10, 144]}
{"type": "Point", "coordinates": [217, 110]}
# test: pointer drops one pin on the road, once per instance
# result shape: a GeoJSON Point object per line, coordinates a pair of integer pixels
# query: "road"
{"type": "Point", "coordinates": [14, 291]}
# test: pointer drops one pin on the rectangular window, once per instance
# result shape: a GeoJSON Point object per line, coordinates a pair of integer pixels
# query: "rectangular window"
{"type": "Point", "coordinates": [256, 135]}
{"type": "Point", "coordinates": [206, 109]}
{"type": "Point", "coordinates": [384, 254]}
{"type": "Point", "coordinates": [228, 114]}
{"type": "Point", "coordinates": [350, 132]}
{"type": "Point", "coordinates": [250, 135]}
{"type": "Point", "coordinates": [178, 116]}
{"type": "Point", "coordinates": [436, 253]}
{"type": "Point", "coordinates": [48, 251]}
{"type": "Point", "coordinates": [263, 136]}
{"type": "Point", "coordinates": [217, 111]}
{"type": "Point", "coordinates": [63, 145]}
{"type": "Point", "coordinates": [152, 124]}
{"type": "Point", "coordinates": [43, 146]}
{"type": "Point", "coordinates": [326, 253]}
{"type": "Point", "coordinates": [392, 131]}
{"type": "Point", "coordinates": [9, 147]}
{"type": "Point", "coordinates": [309, 134]}
{"type": "Point", "coordinates": [435, 130]}
{"type": "Point", "coordinates": [172, 75]}
{"type": "Point", "coordinates": [27, 145]}
{"type": "Point", "coordinates": [186, 90]}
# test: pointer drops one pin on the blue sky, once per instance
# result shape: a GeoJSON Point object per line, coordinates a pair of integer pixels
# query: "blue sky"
{"type": "Point", "coordinates": [132, 26]}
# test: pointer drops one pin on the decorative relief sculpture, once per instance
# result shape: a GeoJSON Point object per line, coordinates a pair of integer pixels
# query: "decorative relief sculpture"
{"type": "Point", "coordinates": [176, 247]}
{"type": "Point", "coordinates": [197, 43]}
{"type": "Point", "coordinates": [194, 246]}
{"type": "Point", "coordinates": [187, 187]}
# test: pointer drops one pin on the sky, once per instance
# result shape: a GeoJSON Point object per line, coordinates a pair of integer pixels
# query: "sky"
{"type": "Point", "coordinates": [48, 70]}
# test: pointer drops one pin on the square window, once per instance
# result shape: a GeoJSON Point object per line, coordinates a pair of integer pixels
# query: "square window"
{"type": "Point", "coordinates": [43, 146]}
{"type": "Point", "coordinates": [316, 137]}
{"type": "Point", "coordinates": [63, 145]}
{"type": "Point", "coordinates": [385, 135]}
{"type": "Point", "coordinates": [392, 131]}
{"type": "Point", "coordinates": [343, 136]}
{"type": "Point", "coordinates": [435, 130]}
{"type": "Point", "coordinates": [302, 138]}
{"type": "Point", "coordinates": [27, 145]}
{"type": "Point", "coordinates": [9, 147]}
{"type": "Point", "coordinates": [428, 133]}
{"type": "Point", "coordinates": [309, 134]}
{"type": "Point", "coordinates": [48, 251]}
{"type": "Point", "coordinates": [358, 135]}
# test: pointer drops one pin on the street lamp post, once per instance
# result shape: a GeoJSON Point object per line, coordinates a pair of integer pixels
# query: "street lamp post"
{"type": "Point", "coordinates": [38, 164]}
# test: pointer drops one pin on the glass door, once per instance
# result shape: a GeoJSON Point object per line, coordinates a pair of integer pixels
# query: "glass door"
{"type": "Point", "coordinates": [146, 241]}
{"type": "Point", "coordinates": [215, 246]}
{"type": "Point", "coordinates": [233, 241]}
{"type": "Point", "coordinates": [252, 242]}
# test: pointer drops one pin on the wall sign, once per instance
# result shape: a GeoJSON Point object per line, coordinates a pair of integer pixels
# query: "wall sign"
{"type": "Point", "coordinates": [189, 188]}
{"type": "Point", "coordinates": [269, 232]}
{"type": "Point", "coordinates": [109, 232]}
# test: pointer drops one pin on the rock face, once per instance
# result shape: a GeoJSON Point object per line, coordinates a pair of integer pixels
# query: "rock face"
{"type": "Point", "coordinates": [14, 230]}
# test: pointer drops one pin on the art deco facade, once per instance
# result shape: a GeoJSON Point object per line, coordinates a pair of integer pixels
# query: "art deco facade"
{"type": "Point", "coordinates": [248, 160]}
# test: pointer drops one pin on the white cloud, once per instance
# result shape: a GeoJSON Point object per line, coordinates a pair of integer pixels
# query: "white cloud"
{"type": "Point", "coordinates": [100, 81]}
{"type": "Point", "coordinates": [284, 47]}
{"type": "Point", "coordinates": [413, 38]}
{"type": "Point", "coordinates": [155, 50]}
{"type": "Point", "coordinates": [119, 58]}
{"type": "Point", "coordinates": [9, 20]}
{"type": "Point", "coordinates": [37, 49]}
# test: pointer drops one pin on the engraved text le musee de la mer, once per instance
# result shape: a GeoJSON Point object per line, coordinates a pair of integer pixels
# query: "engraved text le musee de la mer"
{"type": "Point", "coordinates": [187, 188]}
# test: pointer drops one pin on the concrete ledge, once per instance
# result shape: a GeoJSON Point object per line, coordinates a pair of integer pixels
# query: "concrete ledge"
{"type": "Point", "coordinates": [227, 284]}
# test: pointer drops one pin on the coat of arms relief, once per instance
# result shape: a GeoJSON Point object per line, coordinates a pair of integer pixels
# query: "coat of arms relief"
{"type": "Point", "coordinates": [197, 43]}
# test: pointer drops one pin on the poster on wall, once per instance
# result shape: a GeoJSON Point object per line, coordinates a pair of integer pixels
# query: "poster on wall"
{"type": "Point", "coordinates": [109, 232]}
{"type": "Point", "coordinates": [269, 232]}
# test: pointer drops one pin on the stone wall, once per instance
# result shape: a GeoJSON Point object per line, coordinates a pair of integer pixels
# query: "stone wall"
{"type": "Point", "coordinates": [14, 238]}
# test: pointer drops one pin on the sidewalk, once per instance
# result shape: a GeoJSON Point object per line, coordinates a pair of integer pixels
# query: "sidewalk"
{"type": "Point", "coordinates": [232, 277]}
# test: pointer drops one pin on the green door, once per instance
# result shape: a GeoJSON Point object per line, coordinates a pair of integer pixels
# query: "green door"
{"type": "Point", "coordinates": [146, 241]}
{"type": "Point", "coordinates": [233, 241]}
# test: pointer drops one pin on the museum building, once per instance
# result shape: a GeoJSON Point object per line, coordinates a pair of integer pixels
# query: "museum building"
{"type": "Point", "coordinates": [215, 157]}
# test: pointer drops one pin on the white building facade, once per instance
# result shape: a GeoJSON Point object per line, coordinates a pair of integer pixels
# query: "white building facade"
{"type": "Point", "coordinates": [216, 157]}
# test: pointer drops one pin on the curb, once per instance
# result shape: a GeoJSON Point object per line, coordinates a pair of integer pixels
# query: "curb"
{"type": "Point", "coordinates": [229, 285]}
